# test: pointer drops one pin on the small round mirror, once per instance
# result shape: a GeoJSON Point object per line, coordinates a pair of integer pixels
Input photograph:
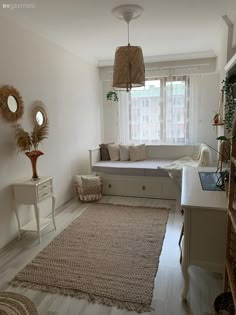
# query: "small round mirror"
{"type": "Point", "coordinates": [39, 118]}
{"type": "Point", "coordinates": [39, 114]}
{"type": "Point", "coordinates": [12, 103]}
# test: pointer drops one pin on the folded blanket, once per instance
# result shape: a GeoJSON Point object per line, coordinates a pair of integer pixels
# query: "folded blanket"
{"type": "Point", "coordinates": [184, 161]}
{"type": "Point", "coordinates": [174, 170]}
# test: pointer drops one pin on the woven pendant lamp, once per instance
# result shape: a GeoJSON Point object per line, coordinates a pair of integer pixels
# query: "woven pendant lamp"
{"type": "Point", "coordinates": [129, 69]}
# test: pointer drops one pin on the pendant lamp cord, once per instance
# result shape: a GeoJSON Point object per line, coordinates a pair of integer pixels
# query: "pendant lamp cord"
{"type": "Point", "coordinates": [129, 84]}
{"type": "Point", "coordinates": [128, 31]}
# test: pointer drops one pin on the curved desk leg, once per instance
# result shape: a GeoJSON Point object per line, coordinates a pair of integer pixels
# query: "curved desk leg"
{"type": "Point", "coordinates": [53, 211]}
{"type": "Point", "coordinates": [36, 209]}
{"type": "Point", "coordinates": [185, 262]}
{"type": "Point", "coordinates": [186, 280]}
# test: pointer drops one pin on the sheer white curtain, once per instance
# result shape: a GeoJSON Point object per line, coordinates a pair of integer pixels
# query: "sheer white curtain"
{"type": "Point", "coordinates": [160, 112]}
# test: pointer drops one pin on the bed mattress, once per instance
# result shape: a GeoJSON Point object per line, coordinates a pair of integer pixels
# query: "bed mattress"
{"type": "Point", "coordinates": [131, 168]}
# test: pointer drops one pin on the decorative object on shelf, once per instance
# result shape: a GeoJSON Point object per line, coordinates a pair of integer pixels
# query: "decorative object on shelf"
{"type": "Point", "coordinates": [112, 96]}
{"type": "Point", "coordinates": [230, 104]}
{"type": "Point", "coordinates": [216, 119]}
{"type": "Point", "coordinates": [11, 103]}
{"type": "Point", "coordinates": [29, 142]}
{"type": "Point", "coordinates": [129, 69]}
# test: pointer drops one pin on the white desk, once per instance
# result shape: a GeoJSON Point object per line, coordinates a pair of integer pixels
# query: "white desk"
{"type": "Point", "coordinates": [204, 225]}
{"type": "Point", "coordinates": [30, 192]}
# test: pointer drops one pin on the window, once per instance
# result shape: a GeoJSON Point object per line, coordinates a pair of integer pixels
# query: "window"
{"type": "Point", "coordinates": [159, 112]}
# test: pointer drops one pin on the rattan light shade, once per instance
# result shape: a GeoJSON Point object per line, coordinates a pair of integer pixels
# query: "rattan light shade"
{"type": "Point", "coordinates": [129, 70]}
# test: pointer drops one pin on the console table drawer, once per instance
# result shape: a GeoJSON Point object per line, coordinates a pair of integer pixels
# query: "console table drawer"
{"type": "Point", "coordinates": [46, 192]}
{"type": "Point", "coordinates": [44, 185]}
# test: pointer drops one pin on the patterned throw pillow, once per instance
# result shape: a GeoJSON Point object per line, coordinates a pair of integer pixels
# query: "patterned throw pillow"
{"type": "Point", "coordinates": [124, 152]}
{"type": "Point", "coordinates": [114, 151]}
{"type": "Point", "coordinates": [105, 156]}
{"type": "Point", "coordinates": [138, 152]}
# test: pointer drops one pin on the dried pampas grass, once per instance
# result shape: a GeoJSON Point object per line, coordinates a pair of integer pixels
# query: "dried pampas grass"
{"type": "Point", "coordinates": [26, 141]}
{"type": "Point", "coordinates": [38, 134]}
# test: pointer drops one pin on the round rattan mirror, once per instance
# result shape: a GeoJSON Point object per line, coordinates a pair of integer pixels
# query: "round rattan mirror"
{"type": "Point", "coordinates": [39, 114]}
{"type": "Point", "coordinates": [11, 103]}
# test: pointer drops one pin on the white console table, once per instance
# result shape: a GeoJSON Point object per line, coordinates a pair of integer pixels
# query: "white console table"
{"type": "Point", "coordinates": [204, 224]}
{"type": "Point", "coordinates": [32, 192]}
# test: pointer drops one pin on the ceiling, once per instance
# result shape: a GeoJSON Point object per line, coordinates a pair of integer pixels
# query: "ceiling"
{"type": "Point", "coordinates": [166, 29]}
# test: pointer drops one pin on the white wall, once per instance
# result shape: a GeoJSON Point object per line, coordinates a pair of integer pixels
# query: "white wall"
{"type": "Point", "coordinates": [70, 89]}
{"type": "Point", "coordinates": [223, 38]}
{"type": "Point", "coordinates": [232, 15]}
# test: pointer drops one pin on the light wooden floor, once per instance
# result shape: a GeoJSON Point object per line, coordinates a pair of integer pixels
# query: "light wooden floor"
{"type": "Point", "coordinates": [204, 286]}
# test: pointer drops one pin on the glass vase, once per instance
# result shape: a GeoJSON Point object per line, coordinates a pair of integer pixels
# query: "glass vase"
{"type": "Point", "coordinates": [33, 156]}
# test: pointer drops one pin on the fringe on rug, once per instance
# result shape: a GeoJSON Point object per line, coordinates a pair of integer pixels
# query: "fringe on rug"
{"type": "Point", "coordinates": [128, 305]}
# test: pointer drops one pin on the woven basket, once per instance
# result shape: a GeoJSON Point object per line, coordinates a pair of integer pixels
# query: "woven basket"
{"type": "Point", "coordinates": [88, 194]}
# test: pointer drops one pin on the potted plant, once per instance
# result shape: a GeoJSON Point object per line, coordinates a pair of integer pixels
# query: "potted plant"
{"type": "Point", "coordinates": [112, 96]}
{"type": "Point", "coordinates": [224, 148]}
{"type": "Point", "coordinates": [230, 104]}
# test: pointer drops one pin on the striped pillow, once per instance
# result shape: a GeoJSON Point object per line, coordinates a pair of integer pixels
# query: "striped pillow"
{"type": "Point", "coordinates": [124, 152]}
{"type": "Point", "coordinates": [114, 151]}
{"type": "Point", "coordinates": [137, 152]}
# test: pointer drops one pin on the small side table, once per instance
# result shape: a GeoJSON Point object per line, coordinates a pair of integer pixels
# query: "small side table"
{"type": "Point", "coordinates": [29, 192]}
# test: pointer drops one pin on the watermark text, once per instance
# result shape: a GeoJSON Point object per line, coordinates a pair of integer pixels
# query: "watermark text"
{"type": "Point", "coordinates": [13, 6]}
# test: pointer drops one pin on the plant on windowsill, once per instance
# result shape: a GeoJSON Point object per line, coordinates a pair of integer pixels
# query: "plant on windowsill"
{"type": "Point", "coordinates": [112, 96]}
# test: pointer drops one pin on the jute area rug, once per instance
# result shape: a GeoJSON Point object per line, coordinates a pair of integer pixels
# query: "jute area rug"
{"type": "Point", "coordinates": [109, 255]}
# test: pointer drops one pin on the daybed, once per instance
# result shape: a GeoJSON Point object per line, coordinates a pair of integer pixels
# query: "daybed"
{"type": "Point", "coordinates": [151, 177]}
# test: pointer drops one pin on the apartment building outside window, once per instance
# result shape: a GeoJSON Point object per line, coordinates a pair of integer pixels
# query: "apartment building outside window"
{"type": "Point", "coordinates": [159, 112]}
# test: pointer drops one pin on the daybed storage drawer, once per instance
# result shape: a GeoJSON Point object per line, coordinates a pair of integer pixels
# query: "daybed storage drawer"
{"type": "Point", "coordinates": [122, 187]}
{"type": "Point", "coordinates": [139, 186]}
{"type": "Point", "coordinates": [159, 188]}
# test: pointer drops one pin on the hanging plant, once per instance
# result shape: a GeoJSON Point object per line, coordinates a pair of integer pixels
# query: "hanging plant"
{"type": "Point", "coordinates": [112, 96]}
{"type": "Point", "coordinates": [230, 104]}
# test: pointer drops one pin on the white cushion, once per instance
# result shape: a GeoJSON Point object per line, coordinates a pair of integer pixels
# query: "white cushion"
{"type": "Point", "coordinates": [114, 151]}
{"type": "Point", "coordinates": [124, 152]}
{"type": "Point", "coordinates": [137, 152]}
{"type": "Point", "coordinates": [86, 178]}
{"type": "Point", "coordinates": [90, 181]}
